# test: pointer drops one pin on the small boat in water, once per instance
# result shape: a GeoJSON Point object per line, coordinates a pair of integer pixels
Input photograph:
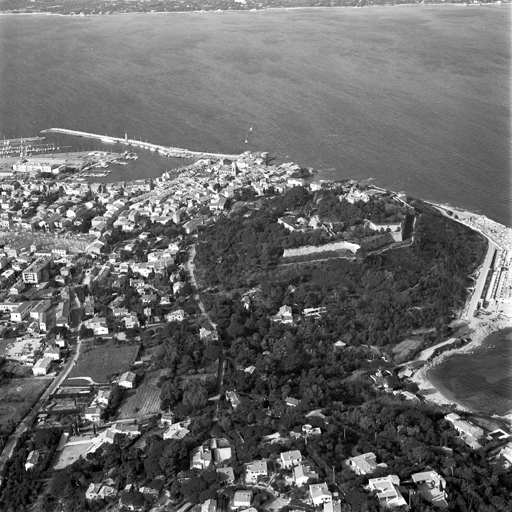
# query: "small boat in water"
{"type": "Point", "coordinates": [247, 136]}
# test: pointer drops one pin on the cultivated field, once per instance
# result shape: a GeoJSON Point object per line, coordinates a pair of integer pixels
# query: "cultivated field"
{"type": "Point", "coordinates": [95, 365]}
{"type": "Point", "coordinates": [140, 402]}
{"type": "Point", "coordinates": [17, 398]}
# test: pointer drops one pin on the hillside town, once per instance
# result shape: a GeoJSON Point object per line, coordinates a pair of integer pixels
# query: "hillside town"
{"type": "Point", "coordinates": [93, 273]}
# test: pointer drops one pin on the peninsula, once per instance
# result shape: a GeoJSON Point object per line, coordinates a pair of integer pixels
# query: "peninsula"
{"type": "Point", "coordinates": [236, 336]}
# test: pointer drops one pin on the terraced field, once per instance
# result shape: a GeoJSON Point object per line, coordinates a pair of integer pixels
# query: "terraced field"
{"type": "Point", "coordinates": [140, 402]}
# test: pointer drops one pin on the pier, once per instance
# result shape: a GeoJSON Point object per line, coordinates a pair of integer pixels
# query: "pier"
{"type": "Point", "coordinates": [164, 150]}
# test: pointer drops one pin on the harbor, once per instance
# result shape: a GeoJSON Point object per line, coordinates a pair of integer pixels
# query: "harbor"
{"type": "Point", "coordinates": [163, 150]}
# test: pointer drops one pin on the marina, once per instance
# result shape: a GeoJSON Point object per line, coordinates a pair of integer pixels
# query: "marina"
{"type": "Point", "coordinates": [8, 150]}
{"type": "Point", "coordinates": [164, 150]}
{"type": "Point", "coordinates": [21, 140]}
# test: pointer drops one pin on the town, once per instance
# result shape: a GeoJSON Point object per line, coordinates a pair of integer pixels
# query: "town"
{"type": "Point", "coordinates": [96, 276]}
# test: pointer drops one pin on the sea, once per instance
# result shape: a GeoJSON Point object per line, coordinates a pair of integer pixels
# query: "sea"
{"type": "Point", "coordinates": [416, 98]}
{"type": "Point", "coordinates": [481, 380]}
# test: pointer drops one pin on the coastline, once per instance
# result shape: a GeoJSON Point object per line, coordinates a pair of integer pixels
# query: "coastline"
{"type": "Point", "coordinates": [265, 9]}
{"type": "Point", "coordinates": [480, 328]}
{"type": "Point", "coordinates": [479, 332]}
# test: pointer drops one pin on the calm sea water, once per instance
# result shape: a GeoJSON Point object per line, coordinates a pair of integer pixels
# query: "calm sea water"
{"type": "Point", "coordinates": [417, 98]}
{"type": "Point", "coordinates": [481, 381]}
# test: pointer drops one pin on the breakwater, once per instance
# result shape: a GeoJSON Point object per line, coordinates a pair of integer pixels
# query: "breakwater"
{"type": "Point", "coordinates": [164, 150]}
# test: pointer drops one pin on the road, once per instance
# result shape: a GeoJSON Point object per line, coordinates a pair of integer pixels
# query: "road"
{"type": "Point", "coordinates": [189, 268]}
{"type": "Point", "coordinates": [29, 419]}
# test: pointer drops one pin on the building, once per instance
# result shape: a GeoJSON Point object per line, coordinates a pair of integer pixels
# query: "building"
{"type": "Point", "coordinates": [255, 470]}
{"type": "Point", "coordinates": [166, 419]}
{"type": "Point", "coordinates": [98, 325]}
{"type": "Point", "coordinates": [233, 399]}
{"type": "Point", "coordinates": [21, 312]}
{"type": "Point", "coordinates": [127, 380]}
{"type": "Point", "coordinates": [301, 475]}
{"type": "Point", "coordinates": [130, 321]}
{"type": "Point", "coordinates": [209, 505]}
{"type": "Point", "coordinates": [176, 431]}
{"type": "Point", "coordinates": [319, 494]}
{"type": "Point", "coordinates": [52, 353]}
{"type": "Point", "coordinates": [468, 432]}
{"type": "Point", "coordinates": [290, 459]}
{"type": "Point", "coordinates": [32, 274]}
{"type": "Point", "coordinates": [226, 475]}
{"type": "Point", "coordinates": [386, 489]}
{"type": "Point", "coordinates": [92, 492]}
{"type": "Point", "coordinates": [62, 314]}
{"type": "Point", "coordinates": [103, 397]}
{"type": "Point", "coordinates": [92, 414]}
{"type": "Point", "coordinates": [201, 458]}
{"type": "Point", "coordinates": [39, 308]}
{"type": "Point", "coordinates": [42, 366]}
{"type": "Point", "coordinates": [176, 316]}
{"type": "Point", "coordinates": [242, 499]}
{"type": "Point", "coordinates": [284, 315]}
{"type": "Point", "coordinates": [32, 460]}
{"type": "Point", "coordinates": [221, 450]}
{"type": "Point", "coordinates": [432, 487]}
{"type": "Point", "coordinates": [332, 506]}
{"type": "Point", "coordinates": [363, 464]}
{"type": "Point", "coordinates": [125, 428]}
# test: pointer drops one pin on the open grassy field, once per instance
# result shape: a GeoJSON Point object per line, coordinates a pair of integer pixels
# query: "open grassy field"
{"type": "Point", "coordinates": [140, 402]}
{"type": "Point", "coordinates": [406, 350]}
{"type": "Point", "coordinates": [17, 397]}
{"type": "Point", "coordinates": [96, 364]}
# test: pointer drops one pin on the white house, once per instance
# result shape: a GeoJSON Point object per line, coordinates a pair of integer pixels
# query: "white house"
{"type": "Point", "coordinates": [92, 414]}
{"type": "Point", "coordinates": [176, 316]}
{"type": "Point", "coordinates": [131, 321]}
{"type": "Point", "coordinates": [301, 475]}
{"type": "Point", "coordinates": [92, 492]}
{"type": "Point", "coordinates": [254, 470]}
{"type": "Point", "coordinates": [284, 315]}
{"type": "Point", "coordinates": [200, 458]}
{"type": "Point", "coordinates": [32, 460]}
{"type": "Point", "coordinates": [98, 325]}
{"type": "Point", "coordinates": [387, 491]}
{"type": "Point", "coordinates": [432, 487]}
{"type": "Point", "coordinates": [226, 475]}
{"type": "Point", "coordinates": [127, 380]}
{"type": "Point", "coordinates": [21, 312]}
{"type": "Point", "coordinates": [319, 494]}
{"type": "Point", "coordinates": [42, 366]}
{"type": "Point", "coordinates": [290, 459]}
{"type": "Point", "coordinates": [242, 499]}
{"type": "Point", "coordinates": [176, 431]}
{"type": "Point", "coordinates": [103, 397]}
{"type": "Point", "coordinates": [52, 353]}
{"type": "Point", "coordinates": [209, 506]}
{"type": "Point", "coordinates": [363, 464]}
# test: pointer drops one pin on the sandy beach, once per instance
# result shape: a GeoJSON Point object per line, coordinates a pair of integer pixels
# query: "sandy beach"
{"type": "Point", "coordinates": [480, 329]}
